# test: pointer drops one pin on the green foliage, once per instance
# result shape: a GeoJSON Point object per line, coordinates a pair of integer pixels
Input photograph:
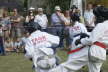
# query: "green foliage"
{"type": "Point", "coordinates": [25, 2]}
{"type": "Point", "coordinates": [64, 4]}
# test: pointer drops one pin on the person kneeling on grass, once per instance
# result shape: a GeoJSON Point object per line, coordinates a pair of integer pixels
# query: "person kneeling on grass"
{"type": "Point", "coordinates": [38, 49]}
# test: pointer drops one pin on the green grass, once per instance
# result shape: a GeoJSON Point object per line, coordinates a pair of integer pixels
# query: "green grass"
{"type": "Point", "coordinates": [17, 63]}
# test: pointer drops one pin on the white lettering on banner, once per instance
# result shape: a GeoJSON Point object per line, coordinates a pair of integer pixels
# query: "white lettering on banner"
{"type": "Point", "coordinates": [39, 40]}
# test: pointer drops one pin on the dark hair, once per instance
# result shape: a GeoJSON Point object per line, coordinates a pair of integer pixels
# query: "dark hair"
{"type": "Point", "coordinates": [74, 7]}
{"type": "Point", "coordinates": [101, 14]}
{"type": "Point", "coordinates": [75, 17]}
{"type": "Point", "coordinates": [33, 26]}
{"type": "Point", "coordinates": [0, 25]}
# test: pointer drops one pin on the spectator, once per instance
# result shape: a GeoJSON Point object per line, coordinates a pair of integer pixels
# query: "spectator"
{"type": "Point", "coordinates": [89, 17]}
{"type": "Point", "coordinates": [58, 23]}
{"type": "Point", "coordinates": [8, 45]}
{"type": "Point", "coordinates": [29, 19]}
{"type": "Point", "coordinates": [24, 38]}
{"type": "Point", "coordinates": [81, 17]}
{"type": "Point", "coordinates": [6, 24]}
{"type": "Point", "coordinates": [41, 19]}
{"type": "Point", "coordinates": [30, 16]}
{"type": "Point", "coordinates": [75, 10]}
{"type": "Point", "coordinates": [67, 25]}
{"type": "Point", "coordinates": [18, 45]}
{"type": "Point", "coordinates": [2, 51]}
{"type": "Point", "coordinates": [15, 20]}
{"type": "Point", "coordinates": [67, 16]}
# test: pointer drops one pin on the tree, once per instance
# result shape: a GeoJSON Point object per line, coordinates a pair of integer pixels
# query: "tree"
{"type": "Point", "coordinates": [64, 4]}
{"type": "Point", "coordinates": [26, 4]}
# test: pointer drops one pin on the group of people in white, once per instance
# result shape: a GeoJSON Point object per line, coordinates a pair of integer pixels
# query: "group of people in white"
{"type": "Point", "coordinates": [86, 48]}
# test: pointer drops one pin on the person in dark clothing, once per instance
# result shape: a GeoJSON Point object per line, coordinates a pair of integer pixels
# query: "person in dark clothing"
{"type": "Point", "coordinates": [2, 51]}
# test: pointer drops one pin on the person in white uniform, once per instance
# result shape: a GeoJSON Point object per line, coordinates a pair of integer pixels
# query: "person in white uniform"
{"type": "Point", "coordinates": [35, 44]}
{"type": "Point", "coordinates": [98, 40]}
{"type": "Point", "coordinates": [78, 56]}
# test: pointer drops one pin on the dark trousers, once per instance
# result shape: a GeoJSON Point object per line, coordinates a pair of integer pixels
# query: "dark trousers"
{"type": "Point", "coordinates": [67, 37]}
{"type": "Point", "coordinates": [2, 51]}
{"type": "Point", "coordinates": [45, 30]}
{"type": "Point", "coordinates": [58, 31]}
{"type": "Point", "coordinates": [89, 29]}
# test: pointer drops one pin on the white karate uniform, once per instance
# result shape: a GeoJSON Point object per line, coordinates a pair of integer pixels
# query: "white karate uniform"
{"type": "Point", "coordinates": [74, 31]}
{"type": "Point", "coordinates": [38, 40]}
{"type": "Point", "coordinates": [97, 53]}
{"type": "Point", "coordinates": [77, 59]}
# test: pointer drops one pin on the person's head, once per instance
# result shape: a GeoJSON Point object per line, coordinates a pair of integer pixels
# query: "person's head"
{"type": "Point", "coordinates": [40, 11]}
{"type": "Point", "coordinates": [75, 17]}
{"type": "Point", "coordinates": [67, 13]}
{"type": "Point", "coordinates": [89, 6]}
{"type": "Point", "coordinates": [30, 13]}
{"type": "Point", "coordinates": [57, 9]}
{"type": "Point", "coordinates": [101, 14]}
{"type": "Point", "coordinates": [15, 11]}
{"type": "Point", "coordinates": [18, 40]}
{"type": "Point", "coordinates": [74, 8]}
{"type": "Point", "coordinates": [26, 34]}
{"type": "Point", "coordinates": [5, 14]}
{"type": "Point", "coordinates": [33, 27]}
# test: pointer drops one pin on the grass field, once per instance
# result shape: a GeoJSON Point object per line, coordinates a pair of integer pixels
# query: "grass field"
{"type": "Point", "coordinates": [17, 63]}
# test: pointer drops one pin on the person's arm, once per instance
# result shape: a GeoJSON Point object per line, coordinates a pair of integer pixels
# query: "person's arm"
{"type": "Point", "coordinates": [27, 19]}
{"type": "Point", "coordinates": [82, 19]}
{"type": "Point", "coordinates": [52, 20]}
{"type": "Point", "coordinates": [35, 19]}
{"type": "Point", "coordinates": [85, 18]}
{"type": "Point", "coordinates": [54, 40]}
{"type": "Point", "coordinates": [29, 49]}
{"type": "Point", "coordinates": [93, 20]}
{"type": "Point", "coordinates": [46, 19]}
{"type": "Point", "coordinates": [94, 36]}
{"type": "Point", "coordinates": [17, 20]}
{"type": "Point", "coordinates": [84, 29]}
{"type": "Point", "coordinates": [84, 37]}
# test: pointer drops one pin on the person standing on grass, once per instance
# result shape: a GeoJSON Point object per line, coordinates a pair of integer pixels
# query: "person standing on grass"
{"type": "Point", "coordinates": [6, 24]}
{"type": "Point", "coordinates": [15, 23]}
{"type": "Point", "coordinates": [58, 22]}
{"type": "Point", "coordinates": [2, 50]}
{"type": "Point", "coordinates": [67, 26]}
{"type": "Point", "coordinates": [89, 17]}
{"type": "Point", "coordinates": [97, 43]}
{"type": "Point", "coordinates": [77, 56]}
{"type": "Point", "coordinates": [41, 19]}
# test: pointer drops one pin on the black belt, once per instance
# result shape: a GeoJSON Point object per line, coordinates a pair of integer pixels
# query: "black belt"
{"type": "Point", "coordinates": [76, 35]}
